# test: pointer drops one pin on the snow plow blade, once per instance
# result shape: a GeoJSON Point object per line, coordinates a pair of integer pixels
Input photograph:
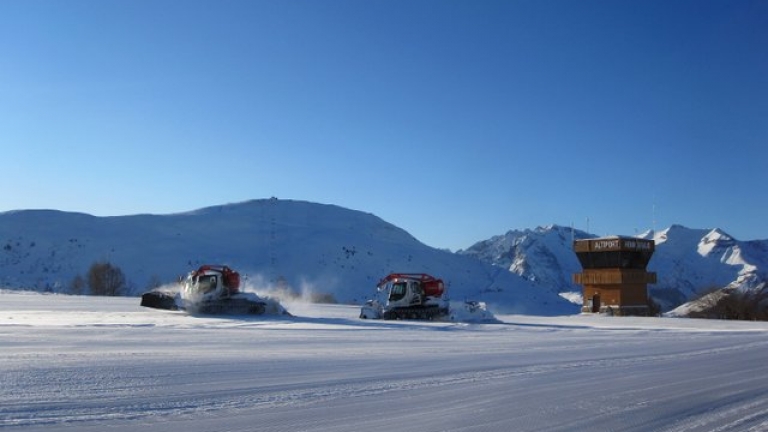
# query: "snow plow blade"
{"type": "Point", "coordinates": [159, 300]}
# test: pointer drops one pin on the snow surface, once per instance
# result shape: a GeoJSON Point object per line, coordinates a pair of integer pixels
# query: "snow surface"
{"type": "Point", "coordinates": [95, 364]}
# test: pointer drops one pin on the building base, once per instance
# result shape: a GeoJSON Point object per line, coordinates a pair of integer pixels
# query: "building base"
{"type": "Point", "coordinates": [619, 310]}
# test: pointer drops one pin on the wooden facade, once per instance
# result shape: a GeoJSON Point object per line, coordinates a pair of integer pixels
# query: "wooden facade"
{"type": "Point", "coordinates": [614, 274]}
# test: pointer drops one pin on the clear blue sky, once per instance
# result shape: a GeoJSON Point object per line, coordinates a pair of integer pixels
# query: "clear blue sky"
{"type": "Point", "coordinates": [455, 120]}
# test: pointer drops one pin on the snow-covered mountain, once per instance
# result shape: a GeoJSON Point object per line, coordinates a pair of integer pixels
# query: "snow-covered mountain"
{"type": "Point", "coordinates": [309, 247]}
{"type": "Point", "coordinates": [326, 249]}
{"type": "Point", "coordinates": [544, 256]}
{"type": "Point", "coordinates": [687, 261]}
{"type": "Point", "coordinates": [694, 261]}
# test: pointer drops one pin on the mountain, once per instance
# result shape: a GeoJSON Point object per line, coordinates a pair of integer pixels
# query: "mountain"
{"type": "Point", "coordinates": [687, 261]}
{"type": "Point", "coordinates": [690, 262]}
{"type": "Point", "coordinates": [330, 250]}
{"type": "Point", "coordinates": [309, 247]}
{"type": "Point", "coordinates": [544, 256]}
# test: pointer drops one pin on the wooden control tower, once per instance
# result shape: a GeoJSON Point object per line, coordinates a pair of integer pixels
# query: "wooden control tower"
{"type": "Point", "coordinates": [614, 274]}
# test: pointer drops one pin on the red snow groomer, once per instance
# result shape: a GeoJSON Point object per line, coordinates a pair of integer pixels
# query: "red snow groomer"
{"type": "Point", "coordinates": [206, 279]}
{"type": "Point", "coordinates": [408, 296]}
{"type": "Point", "coordinates": [211, 289]}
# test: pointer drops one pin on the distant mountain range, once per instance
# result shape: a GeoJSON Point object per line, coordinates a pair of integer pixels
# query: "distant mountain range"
{"type": "Point", "coordinates": [329, 250]}
{"type": "Point", "coordinates": [688, 262]}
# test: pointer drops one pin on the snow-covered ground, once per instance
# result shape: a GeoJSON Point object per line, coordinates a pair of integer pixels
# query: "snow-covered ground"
{"type": "Point", "coordinates": [95, 364]}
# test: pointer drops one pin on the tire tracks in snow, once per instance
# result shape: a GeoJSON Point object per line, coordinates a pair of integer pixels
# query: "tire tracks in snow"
{"type": "Point", "coordinates": [138, 398]}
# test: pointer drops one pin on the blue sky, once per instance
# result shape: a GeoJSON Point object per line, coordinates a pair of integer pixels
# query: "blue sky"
{"type": "Point", "coordinates": [455, 120]}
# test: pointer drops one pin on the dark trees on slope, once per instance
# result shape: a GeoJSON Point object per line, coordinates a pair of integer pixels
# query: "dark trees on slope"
{"type": "Point", "coordinates": [732, 304]}
{"type": "Point", "coordinates": [106, 280]}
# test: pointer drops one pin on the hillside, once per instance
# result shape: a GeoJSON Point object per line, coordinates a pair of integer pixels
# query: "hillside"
{"type": "Point", "coordinates": [305, 246]}
{"type": "Point", "coordinates": [687, 261]}
{"type": "Point", "coordinates": [326, 249]}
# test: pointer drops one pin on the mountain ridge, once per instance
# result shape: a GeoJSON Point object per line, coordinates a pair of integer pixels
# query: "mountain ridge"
{"type": "Point", "coordinates": [687, 261]}
{"type": "Point", "coordinates": [327, 248]}
{"type": "Point", "coordinates": [274, 243]}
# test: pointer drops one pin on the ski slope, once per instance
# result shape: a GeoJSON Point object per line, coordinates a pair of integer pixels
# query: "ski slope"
{"type": "Point", "coordinates": [74, 363]}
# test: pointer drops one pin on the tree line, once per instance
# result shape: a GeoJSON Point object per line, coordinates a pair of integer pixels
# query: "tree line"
{"type": "Point", "coordinates": [102, 279]}
{"type": "Point", "coordinates": [733, 304]}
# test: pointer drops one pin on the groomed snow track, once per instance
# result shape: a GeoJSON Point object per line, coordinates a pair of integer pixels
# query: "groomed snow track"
{"type": "Point", "coordinates": [90, 364]}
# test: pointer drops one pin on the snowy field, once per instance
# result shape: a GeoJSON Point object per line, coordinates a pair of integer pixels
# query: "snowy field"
{"type": "Point", "coordinates": [106, 364]}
